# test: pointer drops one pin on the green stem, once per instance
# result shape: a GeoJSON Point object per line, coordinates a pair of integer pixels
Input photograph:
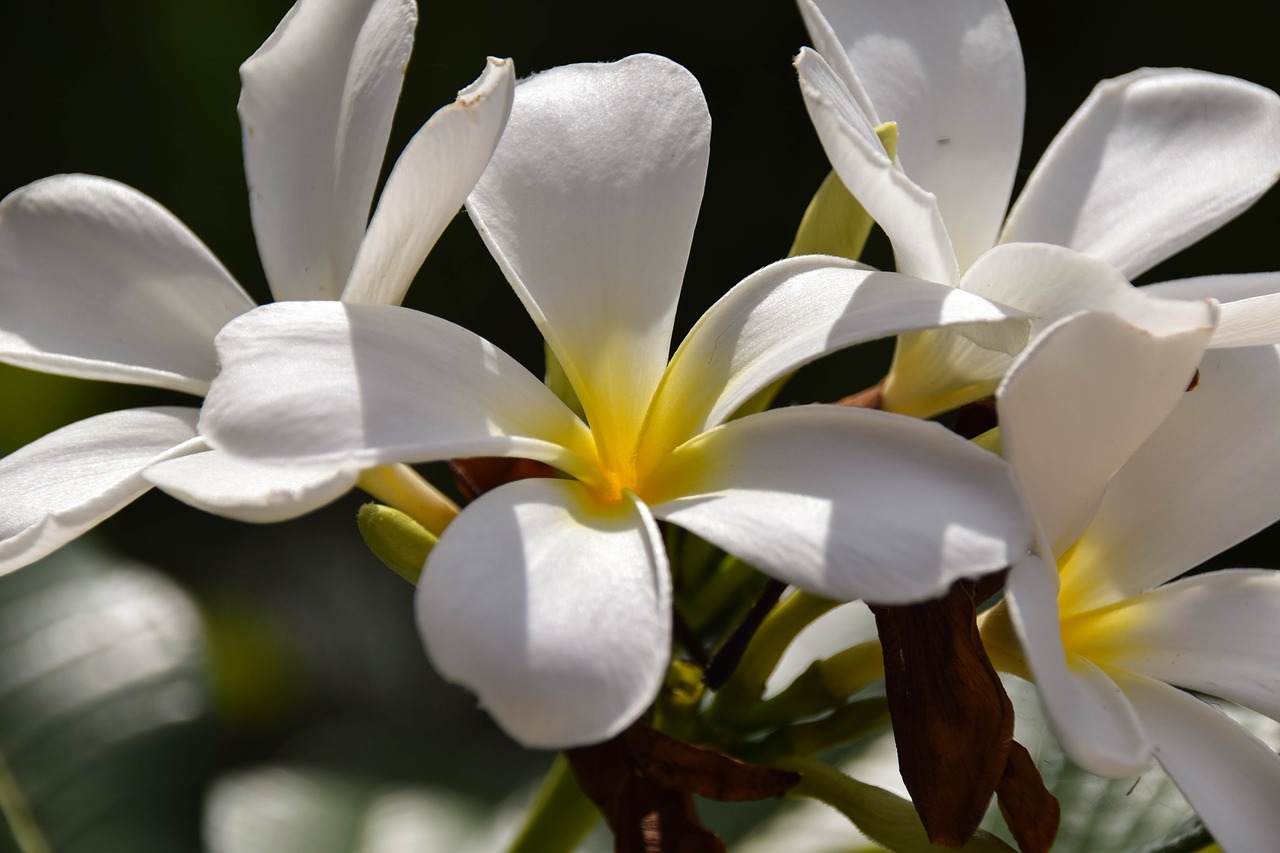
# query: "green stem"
{"type": "Point", "coordinates": [743, 690]}
{"type": "Point", "coordinates": [17, 811]}
{"type": "Point", "coordinates": [845, 724]}
{"type": "Point", "coordinates": [560, 816]}
{"type": "Point", "coordinates": [731, 585]}
{"type": "Point", "coordinates": [885, 818]}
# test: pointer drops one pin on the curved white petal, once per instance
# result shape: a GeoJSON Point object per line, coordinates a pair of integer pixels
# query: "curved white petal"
{"type": "Point", "coordinates": [1229, 777]}
{"type": "Point", "coordinates": [785, 316]}
{"type": "Point", "coordinates": [1250, 305]}
{"type": "Point", "coordinates": [61, 485]}
{"type": "Point", "coordinates": [847, 503]}
{"type": "Point", "coordinates": [1090, 716]}
{"type": "Point", "coordinates": [1079, 401]}
{"type": "Point", "coordinates": [555, 609]}
{"type": "Point", "coordinates": [246, 490]}
{"type": "Point", "coordinates": [589, 205]}
{"type": "Point", "coordinates": [933, 371]}
{"type": "Point", "coordinates": [1150, 163]}
{"type": "Point", "coordinates": [366, 385]}
{"type": "Point", "coordinates": [1202, 482]}
{"type": "Point", "coordinates": [908, 214]}
{"type": "Point", "coordinates": [316, 108]}
{"type": "Point", "coordinates": [949, 72]}
{"type": "Point", "coordinates": [100, 282]}
{"type": "Point", "coordinates": [428, 185]}
{"type": "Point", "coordinates": [1218, 633]}
{"type": "Point", "coordinates": [842, 628]}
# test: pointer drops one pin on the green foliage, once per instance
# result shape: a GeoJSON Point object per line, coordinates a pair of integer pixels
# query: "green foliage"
{"type": "Point", "coordinates": [104, 708]}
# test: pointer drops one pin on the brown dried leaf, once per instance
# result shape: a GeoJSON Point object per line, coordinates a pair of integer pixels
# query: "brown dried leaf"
{"type": "Point", "coordinates": [480, 474]}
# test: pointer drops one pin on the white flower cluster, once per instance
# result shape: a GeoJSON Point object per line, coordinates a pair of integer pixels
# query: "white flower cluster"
{"type": "Point", "coordinates": [1137, 427]}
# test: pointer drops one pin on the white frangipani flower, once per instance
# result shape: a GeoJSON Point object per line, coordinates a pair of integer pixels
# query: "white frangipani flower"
{"type": "Point", "coordinates": [1092, 616]}
{"type": "Point", "coordinates": [1152, 161]}
{"type": "Point", "coordinates": [100, 282]}
{"type": "Point", "coordinates": [551, 598]}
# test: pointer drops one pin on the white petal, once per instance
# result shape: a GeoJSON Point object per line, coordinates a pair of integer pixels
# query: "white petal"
{"type": "Point", "coordinates": [843, 628]}
{"type": "Point", "coordinates": [1218, 633]}
{"type": "Point", "coordinates": [787, 315]}
{"type": "Point", "coordinates": [846, 503]}
{"type": "Point", "coordinates": [1150, 163]}
{"type": "Point", "coordinates": [589, 206]}
{"type": "Point", "coordinates": [934, 371]}
{"type": "Point", "coordinates": [1079, 401]}
{"type": "Point", "coordinates": [1250, 310]}
{"type": "Point", "coordinates": [316, 108]}
{"type": "Point", "coordinates": [908, 214]}
{"type": "Point", "coordinates": [1201, 483]}
{"type": "Point", "coordinates": [1229, 777]}
{"type": "Point", "coordinates": [248, 491]}
{"type": "Point", "coordinates": [555, 609]}
{"type": "Point", "coordinates": [100, 282]}
{"type": "Point", "coordinates": [428, 185]}
{"type": "Point", "coordinates": [61, 485]}
{"type": "Point", "coordinates": [1090, 716]}
{"type": "Point", "coordinates": [365, 385]}
{"type": "Point", "coordinates": [949, 72]}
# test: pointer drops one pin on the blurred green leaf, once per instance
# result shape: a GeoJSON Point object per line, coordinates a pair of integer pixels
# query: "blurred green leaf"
{"type": "Point", "coordinates": [286, 808]}
{"type": "Point", "coordinates": [104, 719]}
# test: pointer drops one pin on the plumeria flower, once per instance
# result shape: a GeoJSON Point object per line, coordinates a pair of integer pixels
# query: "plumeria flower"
{"type": "Point", "coordinates": [551, 598]}
{"type": "Point", "coordinates": [100, 282]}
{"type": "Point", "coordinates": [1150, 163]}
{"type": "Point", "coordinates": [1093, 617]}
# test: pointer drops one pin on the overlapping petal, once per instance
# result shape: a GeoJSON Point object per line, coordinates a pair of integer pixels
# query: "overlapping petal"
{"type": "Point", "coordinates": [589, 206]}
{"type": "Point", "coordinates": [1228, 776]}
{"type": "Point", "coordinates": [1091, 717]}
{"type": "Point", "coordinates": [1080, 400]}
{"type": "Point", "coordinates": [846, 503]}
{"type": "Point", "coordinates": [554, 608]}
{"type": "Point", "coordinates": [1250, 310]}
{"type": "Point", "coordinates": [316, 109]}
{"type": "Point", "coordinates": [789, 314]}
{"type": "Point", "coordinates": [393, 386]}
{"type": "Point", "coordinates": [101, 282]}
{"type": "Point", "coordinates": [1153, 525]}
{"type": "Point", "coordinates": [248, 491]}
{"type": "Point", "coordinates": [949, 73]}
{"type": "Point", "coordinates": [909, 215]}
{"type": "Point", "coordinates": [1218, 633]}
{"type": "Point", "coordinates": [61, 485]}
{"type": "Point", "coordinates": [1150, 163]}
{"type": "Point", "coordinates": [428, 185]}
{"type": "Point", "coordinates": [937, 370]}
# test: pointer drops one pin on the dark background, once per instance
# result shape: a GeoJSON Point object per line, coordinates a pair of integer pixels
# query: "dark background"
{"type": "Point", "coordinates": [311, 653]}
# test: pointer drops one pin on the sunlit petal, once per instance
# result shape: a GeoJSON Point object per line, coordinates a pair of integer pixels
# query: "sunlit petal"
{"type": "Point", "coordinates": [316, 109]}
{"type": "Point", "coordinates": [556, 610]}
{"type": "Point", "coordinates": [1093, 721]}
{"type": "Point", "coordinates": [1250, 310]}
{"type": "Point", "coordinates": [61, 485]}
{"type": "Point", "coordinates": [1150, 163]}
{"type": "Point", "coordinates": [589, 206]}
{"type": "Point", "coordinates": [847, 503]}
{"type": "Point", "coordinates": [1218, 633]}
{"type": "Point", "coordinates": [1202, 482]}
{"type": "Point", "coordinates": [365, 385]}
{"type": "Point", "coordinates": [1080, 400]}
{"type": "Point", "coordinates": [1229, 777]}
{"type": "Point", "coordinates": [907, 213]}
{"type": "Point", "coordinates": [248, 491]}
{"type": "Point", "coordinates": [100, 282]}
{"type": "Point", "coordinates": [949, 72]}
{"type": "Point", "coordinates": [787, 315]}
{"type": "Point", "coordinates": [937, 370]}
{"type": "Point", "coordinates": [428, 185]}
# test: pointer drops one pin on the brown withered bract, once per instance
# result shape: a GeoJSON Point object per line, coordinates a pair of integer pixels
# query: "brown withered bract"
{"type": "Point", "coordinates": [644, 782]}
{"type": "Point", "coordinates": [953, 723]}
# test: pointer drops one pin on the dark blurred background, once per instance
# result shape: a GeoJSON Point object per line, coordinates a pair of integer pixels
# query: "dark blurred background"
{"type": "Point", "coordinates": [300, 666]}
